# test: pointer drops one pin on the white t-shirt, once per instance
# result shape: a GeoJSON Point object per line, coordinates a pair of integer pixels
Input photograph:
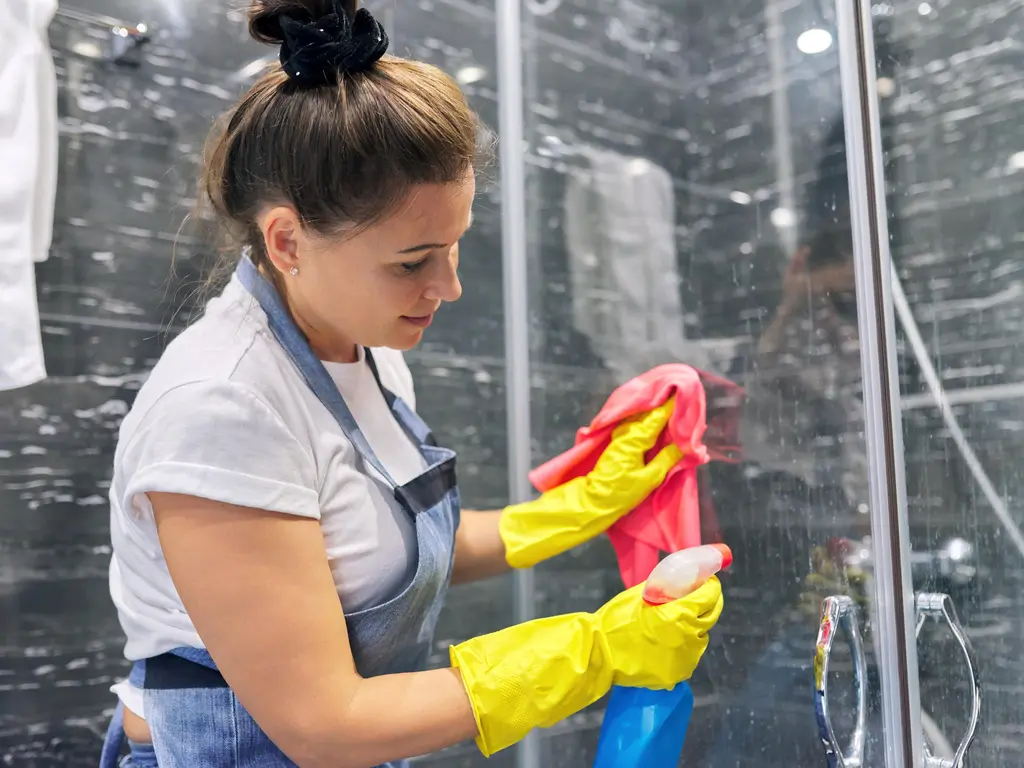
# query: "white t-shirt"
{"type": "Point", "coordinates": [225, 415]}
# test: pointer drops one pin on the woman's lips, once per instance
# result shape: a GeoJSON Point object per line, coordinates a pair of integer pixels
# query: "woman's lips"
{"type": "Point", "coordinates": [419, 322]}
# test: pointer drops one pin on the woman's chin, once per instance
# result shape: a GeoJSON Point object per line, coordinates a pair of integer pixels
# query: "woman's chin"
{"type": "Point", "coordinates": [406, 340]}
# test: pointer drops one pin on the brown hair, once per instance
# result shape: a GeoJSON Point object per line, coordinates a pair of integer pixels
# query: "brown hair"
{"type": "Point", "coordinates": [343, 155]}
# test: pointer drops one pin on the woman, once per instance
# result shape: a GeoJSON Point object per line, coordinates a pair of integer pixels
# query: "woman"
{"type": "Point", "coordinates": [273, 462]}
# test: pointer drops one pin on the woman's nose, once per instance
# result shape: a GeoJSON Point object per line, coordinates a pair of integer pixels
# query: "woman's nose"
{"type": "Point", "coordinates": [445, 286]}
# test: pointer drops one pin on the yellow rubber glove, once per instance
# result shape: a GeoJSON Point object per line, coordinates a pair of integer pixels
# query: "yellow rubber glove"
{"type": "Point", "coordinates": [588, 506]}
{"type": "Point", "coordinates": [538, 673]}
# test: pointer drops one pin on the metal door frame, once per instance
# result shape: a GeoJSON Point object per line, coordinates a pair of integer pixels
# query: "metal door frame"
{"type": "Point", "coordinates": [893, 593]}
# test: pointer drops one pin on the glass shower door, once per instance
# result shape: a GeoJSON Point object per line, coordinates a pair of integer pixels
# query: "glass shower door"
{"type": "Point", "coordinates": [688, 201]}
{"type": "Point", "coordinates": [950, 110]}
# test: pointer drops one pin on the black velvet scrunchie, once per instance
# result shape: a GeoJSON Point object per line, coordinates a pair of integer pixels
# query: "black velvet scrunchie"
{"type": "Point", "coordinates": [314, 51]}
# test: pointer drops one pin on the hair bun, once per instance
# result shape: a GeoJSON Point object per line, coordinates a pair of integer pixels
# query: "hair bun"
{"type": "Point", "coordinates": [319, 38]}
{"type": "Point", "coordinates": [265, 16]}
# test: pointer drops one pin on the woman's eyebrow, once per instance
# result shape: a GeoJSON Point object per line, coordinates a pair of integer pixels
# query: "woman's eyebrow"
{"type": "Point", "coordinates": [433, 246]}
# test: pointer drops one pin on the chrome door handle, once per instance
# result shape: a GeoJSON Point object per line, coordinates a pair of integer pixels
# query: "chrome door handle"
{"type": "Point", "coordinates": [839, 611]}
{"type": "Point", "coordinates": [940, 606]}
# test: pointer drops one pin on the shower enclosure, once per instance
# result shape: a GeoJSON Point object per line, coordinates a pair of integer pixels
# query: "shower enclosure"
{"type": "Point", "coordinates": [821, 204]}
{"type": "Point", "coordinates": [816, 202]}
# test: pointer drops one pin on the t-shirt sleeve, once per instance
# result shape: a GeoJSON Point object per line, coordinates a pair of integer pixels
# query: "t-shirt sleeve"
{"type": "Point", "coordinates": [219, 440]}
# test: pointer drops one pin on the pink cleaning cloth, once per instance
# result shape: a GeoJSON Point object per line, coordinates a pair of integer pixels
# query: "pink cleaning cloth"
{"type": "Point", "coordinates": [669, 519]}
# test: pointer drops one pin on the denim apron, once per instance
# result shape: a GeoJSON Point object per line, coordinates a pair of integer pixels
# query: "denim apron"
{"type": "Point", "coordinates": [195, 719]}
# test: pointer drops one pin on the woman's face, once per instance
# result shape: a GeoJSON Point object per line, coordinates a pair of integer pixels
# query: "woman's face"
{"type": "Point", "coordinates": [380, 287]}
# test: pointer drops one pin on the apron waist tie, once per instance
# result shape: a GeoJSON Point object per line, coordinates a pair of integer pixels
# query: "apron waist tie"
{"type": "Point", "coordinates": [175, 671]}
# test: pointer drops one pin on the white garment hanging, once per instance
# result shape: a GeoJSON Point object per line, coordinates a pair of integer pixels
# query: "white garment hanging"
{"type": "Point", "coordinates": [620, 235]}
{"type": "Point", "coordinates": [28, 183]}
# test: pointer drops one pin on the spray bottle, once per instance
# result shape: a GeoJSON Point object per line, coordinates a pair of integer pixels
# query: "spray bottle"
{"type": "Point", "coordinates": [644, 728]}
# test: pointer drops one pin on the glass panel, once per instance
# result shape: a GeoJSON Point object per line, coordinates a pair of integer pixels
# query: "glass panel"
{"type": "Point", "coordinates": [951, 114]}
{"type": "Point", "coordinates": [690, 203]}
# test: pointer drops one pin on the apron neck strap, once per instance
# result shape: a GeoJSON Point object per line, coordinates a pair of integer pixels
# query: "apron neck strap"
{"type": "Point", "coordinates": [389, 396]}
{"type": "Point", "coordinates": [313, 372]}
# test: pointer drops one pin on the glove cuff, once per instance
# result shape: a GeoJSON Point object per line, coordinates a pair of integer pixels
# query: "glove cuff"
{"type": "Point", "coordinates": [469, 682]}
{"type": "Point", "coordinates": [531, 675]}
{"type": "Point", "coordinates": [535, 531]}
{"type": "Point", "coordinates": [488, 688]}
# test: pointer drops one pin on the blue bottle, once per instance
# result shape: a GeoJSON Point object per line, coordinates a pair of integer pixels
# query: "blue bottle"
{"type": "Point", "coordinates": [644, 728]}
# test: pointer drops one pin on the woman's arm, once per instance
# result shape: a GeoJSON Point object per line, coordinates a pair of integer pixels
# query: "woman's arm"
{"type": "Point", "coordinates": [795, 287]}
{"type": "Point", "coordinates": [258, 588]}
{"type": "Point", "coordinates": [479, 548]}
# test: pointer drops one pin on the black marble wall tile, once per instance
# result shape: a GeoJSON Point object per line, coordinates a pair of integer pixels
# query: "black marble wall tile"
{"type": "Point", "coordinates": [122, 280]}
{"type": "Point", "coordinates": [461, 41]}
{"type": "Point", "coordinates": [117, 278]}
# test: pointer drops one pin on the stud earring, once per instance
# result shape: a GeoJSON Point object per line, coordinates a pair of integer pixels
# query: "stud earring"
{"type": "Point", "coordinates": [293, 271]}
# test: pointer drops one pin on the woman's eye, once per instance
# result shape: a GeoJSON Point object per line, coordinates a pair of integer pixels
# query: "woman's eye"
{"type": "Point", "coordinates": [412, 266]}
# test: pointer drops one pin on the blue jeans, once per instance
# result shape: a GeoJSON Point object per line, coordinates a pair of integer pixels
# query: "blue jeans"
{"type": "Point", "coordinates": [142, 756]}
{"type": "Point", "coordinates": [207, 728]}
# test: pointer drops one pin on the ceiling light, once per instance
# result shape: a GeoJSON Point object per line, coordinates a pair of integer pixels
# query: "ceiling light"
{"type": "Point", "coordinates": [814, 40]}
{"type": "Point", "coordinates": [87, 49]}
{"type": "Point", "coordinates": [639, 166]}
{"type": "Point", "coordinates": [885, 86]}
{"type": "Point", "coordinates": [468, 75]}
{"type": "Point", "coordinates": [782, 218]}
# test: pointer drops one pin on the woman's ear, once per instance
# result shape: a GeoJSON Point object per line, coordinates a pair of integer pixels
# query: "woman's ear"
{"type": "Point", "coordinates": [282, 232]}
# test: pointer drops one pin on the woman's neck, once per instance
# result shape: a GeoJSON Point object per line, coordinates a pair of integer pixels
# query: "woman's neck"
{"type": "Point", "coordinates": [326, 344]}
